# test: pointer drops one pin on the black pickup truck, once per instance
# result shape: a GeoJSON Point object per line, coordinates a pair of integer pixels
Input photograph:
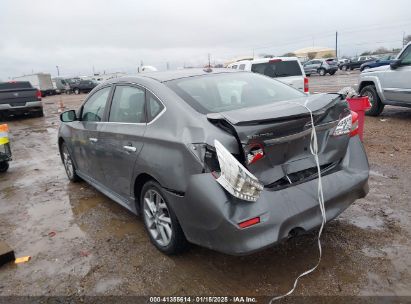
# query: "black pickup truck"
{"type": "Point", "coordinates": [20, 98]}
{"type": "Point", "coordinates": [355, 63]}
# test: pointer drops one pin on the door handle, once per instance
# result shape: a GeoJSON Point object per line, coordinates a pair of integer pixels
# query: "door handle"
{"type": "Point", "coordinates": [92, 139]}
{"type": "Point", "coordinates": [130, 148]}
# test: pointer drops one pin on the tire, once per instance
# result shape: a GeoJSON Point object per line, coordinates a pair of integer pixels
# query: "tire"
{"type": "Point", "coordinates": [332, 73]}
{"type": "Point", "coordinates": [322, 72]}
{"type": "Point", "coordinates": [345, 68]}
{"type": "Point", "coordinates": [38, 113]}
{"type": "Point", "coordinates": [76, 91]}
{"type": "Point", "coordinates": [4, 166]}
{"type": "Point", "coordinates": [365, 68]}
{"type": "Point", "coordinates": [68, 163]}
{"type": "Point", "coordinates": [160, 221]}
{"type": "Point", "coordinates": [308, 75]}
{"type": "Point", "coordinates": [376, 105]}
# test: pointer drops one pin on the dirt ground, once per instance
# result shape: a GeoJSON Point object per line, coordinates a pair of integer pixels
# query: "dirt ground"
{"type": "Point", "coordinates": [82, 243]}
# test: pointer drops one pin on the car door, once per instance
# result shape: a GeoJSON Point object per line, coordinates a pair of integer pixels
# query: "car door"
{"type": "Point", "coordinates": [396, 82]}
{"type": "Point", "coordinates": [122, 138]}
{"type": "Point", "coordinates": [85, 134]}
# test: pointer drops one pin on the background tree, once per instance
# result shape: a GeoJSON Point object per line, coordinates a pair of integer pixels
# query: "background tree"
{"type": "Point", "coordinates": [381, 50]}
{"type": "Point", "coordinates": [328, 55]}
{"type": "Point", "coordinates": [311, 55]}
{"type": "Point", "coordinates": [365, 53]}
{"type": "Point", "coordinates": [289, 54]}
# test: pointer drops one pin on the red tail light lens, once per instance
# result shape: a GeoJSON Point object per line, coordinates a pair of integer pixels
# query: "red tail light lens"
{"type": "Point", "coordinates": [306, 85]}
{"type": "Point", "coordinates": [249, 222]}
{"type": "Point", "coordinates": [256, 153]}
{"type": "Point", "coordinates": [38, 95]}
{"type": "Point", "coordinates": [274, 60]}
{"type": "Point", "coordinates": [354, 127]}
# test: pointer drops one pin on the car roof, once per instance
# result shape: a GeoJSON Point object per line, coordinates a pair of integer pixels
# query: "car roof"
{"type": "Point", "coordinates": [173, 74]}
{"type": "Point", "coordinates": [263, 60]}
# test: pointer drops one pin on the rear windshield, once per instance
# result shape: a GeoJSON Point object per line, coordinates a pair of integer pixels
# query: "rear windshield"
{"type": "Point", "coordinates": [229, 91]}
{"type": "Point", "coordinates": [15, 85]}
{"type": "Point", "coordinates": [277, 68]}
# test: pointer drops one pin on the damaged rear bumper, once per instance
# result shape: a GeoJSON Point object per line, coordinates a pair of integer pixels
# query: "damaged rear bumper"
{"type": "Point", "coordinates": [210, 216]}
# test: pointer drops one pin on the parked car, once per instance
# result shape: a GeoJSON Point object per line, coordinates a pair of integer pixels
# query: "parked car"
{"type": "Point", "coordinates": [218, 158]}
{"type": "Point", "coordinates": [40, 81]}
{"type": "Point", "coordinates": [62, 84]}
{"type": "Point", "coordinates": [285, 69]}
{"type": "Point", "coordinates": [20, 98]}
{"type": "Point", "coordinates": [82, 86]}
{"type": "Point", "coordinates": [355, 63]}
{"type": "Point", "coordinates": [341, 61]}
{"type": "Point", "coordinates": [389, 84]}
{"type": "Point", "coordinates": [386, 60]}
{"type": "Point", "coordinates": [321, 66]}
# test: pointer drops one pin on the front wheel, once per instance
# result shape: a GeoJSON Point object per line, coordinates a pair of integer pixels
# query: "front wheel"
{"type": "Point", "coordinates": [322, 72]}
{"type": "Point", "coordinates": [160, 221]}
{"type": "Point", "coordinates": [68, 164]}
{"type": "Point", "coordinates": [4, 166]}
{"type": "Point", "coordinates": [376, 105]}
{"type": "Point", "coordinates": [76, 91]}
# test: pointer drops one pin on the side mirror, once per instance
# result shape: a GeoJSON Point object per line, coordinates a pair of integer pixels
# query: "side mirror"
{"type": "Point", "coordinates": [395, 63]}
{"type": "Point", "coordinates": [68, 116]}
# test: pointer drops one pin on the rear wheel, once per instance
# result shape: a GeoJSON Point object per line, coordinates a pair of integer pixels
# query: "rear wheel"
{"type": "Point", "coordinates": [38, 113]}
{"type": "Point", "coordinates": [332, 72]}
{"type": "Point", "coordinates": [376, 105]}
{"type": "Point", "coordinates": [4, 166]}
{"type": "Point", "coordinates": [76, 91]}
{"type": "Point", "coordinates": [160, 221]}
{"type": "Point", "coordinates": [68, 164]}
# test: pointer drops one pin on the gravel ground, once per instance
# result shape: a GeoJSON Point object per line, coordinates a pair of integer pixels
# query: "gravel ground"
{"type": "Point", "coordinates": [82, 243]}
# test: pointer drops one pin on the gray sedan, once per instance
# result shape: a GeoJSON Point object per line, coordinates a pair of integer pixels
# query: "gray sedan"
{"type": "Point", "coordinates": [216, 158]}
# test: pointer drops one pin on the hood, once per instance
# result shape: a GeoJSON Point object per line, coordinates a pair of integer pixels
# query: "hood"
{"type": "Point", "coordinates": [377, 69]}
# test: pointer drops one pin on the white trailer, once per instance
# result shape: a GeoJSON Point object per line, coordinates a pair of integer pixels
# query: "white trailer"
{"type": "Point", "coordinates": [40, 81]}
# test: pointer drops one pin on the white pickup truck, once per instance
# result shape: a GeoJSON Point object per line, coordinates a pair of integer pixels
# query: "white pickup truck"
{"type": "Point", "coordinates": [389, 84]}
{"type": "Point", "coordinates": [285, 69]}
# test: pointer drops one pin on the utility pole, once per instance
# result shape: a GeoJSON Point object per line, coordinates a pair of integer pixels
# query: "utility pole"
{"type": "Point", "coordinates": [336, 44]}
{"type": "Point", "coordinates": [403, 39]}
{"type": "Point", "coordinates": [58, 71]}
{"type": "Point", "coordinates": [209, 63]}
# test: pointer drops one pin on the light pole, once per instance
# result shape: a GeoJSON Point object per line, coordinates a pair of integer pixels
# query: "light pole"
{"type": "Point", "coordinates": [58, 71]}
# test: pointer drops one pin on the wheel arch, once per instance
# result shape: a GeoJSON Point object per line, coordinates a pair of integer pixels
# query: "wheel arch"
{"type": "Point", "coordinates": [139, 182]}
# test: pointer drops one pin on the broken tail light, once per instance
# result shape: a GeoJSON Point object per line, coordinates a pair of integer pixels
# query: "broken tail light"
{"type": "Point", "coordinates": [343, 126]}
{"type": "Point", "coordinates": [234, 177]}
{"type": "Point", "coordinates": [256, 153]}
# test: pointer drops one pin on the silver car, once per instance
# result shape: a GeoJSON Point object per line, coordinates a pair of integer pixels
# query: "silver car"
{"type": "Point", "coordinates": [216, 158]}
{"type": "Point", "coordinates": [321, 66]}
{"type": "Point", "coordinates": [389, 84]}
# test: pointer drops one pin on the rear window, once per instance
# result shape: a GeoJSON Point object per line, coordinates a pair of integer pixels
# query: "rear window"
{"type": "Point", "coordinates": [15, 85]}
{"type": "Point", "coordinates": [277, 68]}
{"type": "Point", "coordinates": [229, 91]}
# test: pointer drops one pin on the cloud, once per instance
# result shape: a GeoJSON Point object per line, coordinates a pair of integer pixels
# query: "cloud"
{"type": "Point", "coordinates": [118, 35]}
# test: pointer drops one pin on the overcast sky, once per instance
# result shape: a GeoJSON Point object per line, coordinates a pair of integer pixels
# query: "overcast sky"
{"type": "Point", "coordinates": [110, 36]}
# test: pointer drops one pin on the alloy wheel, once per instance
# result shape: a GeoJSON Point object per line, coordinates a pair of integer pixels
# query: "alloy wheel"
{"type": "Point", "coordinates": [157, 218]}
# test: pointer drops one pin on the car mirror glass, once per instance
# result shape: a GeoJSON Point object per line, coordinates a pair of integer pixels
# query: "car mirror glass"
{"type": "Point", "coordinates": [68, 116]}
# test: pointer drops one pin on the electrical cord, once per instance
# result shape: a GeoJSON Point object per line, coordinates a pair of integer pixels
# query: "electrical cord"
{"type": "Point", "coordinates": [314, 152]}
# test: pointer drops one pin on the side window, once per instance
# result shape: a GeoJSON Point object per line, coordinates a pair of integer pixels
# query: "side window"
{"type": "Point", "coordinates": [234, 67]}
{"type": "Point", "coordinates": [406, 56]}
{"type": "Point", "coordinates": [128, 105]}
{"type": "Point", "coordinates": [241, 66]}
{"type": "Point", "coordinates": [93, 109]}
{"type": "Point", "coordinates": [154, 107]}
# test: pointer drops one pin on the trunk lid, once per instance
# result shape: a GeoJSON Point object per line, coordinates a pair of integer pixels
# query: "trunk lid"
{"type": "Point", "coordinates": [283, 131]}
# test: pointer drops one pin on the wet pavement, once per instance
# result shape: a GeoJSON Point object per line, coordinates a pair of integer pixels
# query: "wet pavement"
{"type": "Point", "coordinates": [83, 243]}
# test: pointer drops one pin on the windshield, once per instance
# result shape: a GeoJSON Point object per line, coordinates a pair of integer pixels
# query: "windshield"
{"type": "Point", "coordinates": [229, 91]}
{"type": "Point", "coordinates": [277, 68]}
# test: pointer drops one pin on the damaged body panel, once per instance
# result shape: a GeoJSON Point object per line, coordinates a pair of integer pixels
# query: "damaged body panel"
{"type": "Point", "coordinates": [221, 159]}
